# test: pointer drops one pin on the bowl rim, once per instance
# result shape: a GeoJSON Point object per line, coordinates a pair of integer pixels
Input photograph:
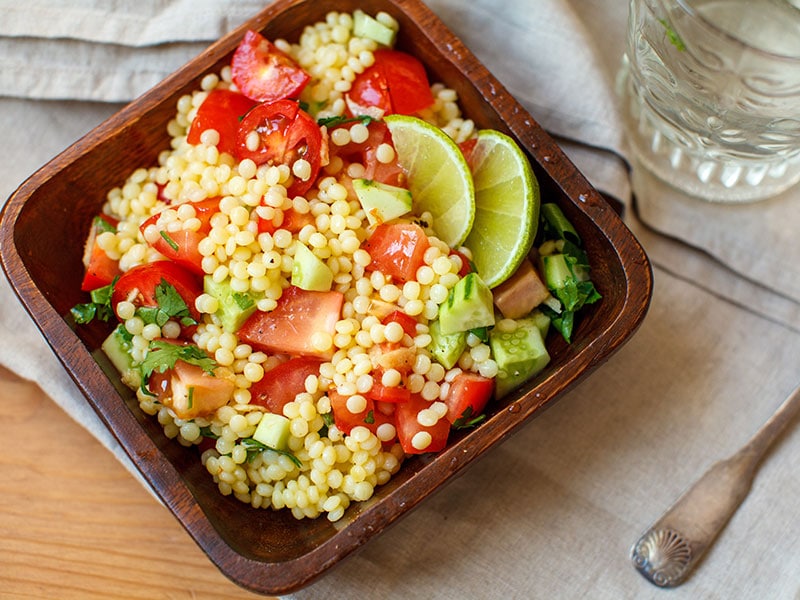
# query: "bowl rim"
{"type": "Point", "coordinates": [295, 573]}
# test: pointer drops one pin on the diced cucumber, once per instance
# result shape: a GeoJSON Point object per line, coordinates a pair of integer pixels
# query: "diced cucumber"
{"type": "Point", "coordinates": [309, 272]}
{"type": "Point", "coordinates": [520, 354]}
{"type": "Point", "coordinates": [446, 348]}
{"type": "Point", "coordinates": [382, 202]}
{"type": "Point", "coordinates": [234, 307]}
{"type": "Point", "coordinates": [366, 26]}
{"type": "Point", "coordinates": [469, 306]}
{"type": "Point", "coordinates": [273, 431]}
{"type": "Point", "coordinates": [117, 347]}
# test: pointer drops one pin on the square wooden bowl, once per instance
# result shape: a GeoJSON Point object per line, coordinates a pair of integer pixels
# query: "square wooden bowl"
{"type": "Point", "coordinates": [45, 222]}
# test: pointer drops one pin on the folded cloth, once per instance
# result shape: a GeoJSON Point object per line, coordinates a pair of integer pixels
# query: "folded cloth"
{"type": "Point", "coordinates": [553, 511]}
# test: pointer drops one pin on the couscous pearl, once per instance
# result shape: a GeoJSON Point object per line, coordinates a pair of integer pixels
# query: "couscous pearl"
{"type": "Point", "coordinates": [421, 440]}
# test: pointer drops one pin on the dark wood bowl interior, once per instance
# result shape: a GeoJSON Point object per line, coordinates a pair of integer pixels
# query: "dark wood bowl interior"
{"type": "Point", "coordinates": [44, 224]}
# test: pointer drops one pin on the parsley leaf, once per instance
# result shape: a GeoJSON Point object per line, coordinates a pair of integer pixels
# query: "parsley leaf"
{"type": "Point", "coordinates": [254, 448]}
{"type": "Point", "coordinates": [170, 306]}
{"type": "Point", "coordinates": [101, 225]}
{"type": "Point", "coordinates": [243, 300]}
{"type": "Point", "coordinates": [339, 120]}
{"type": "Point", "coordinates": [466, 420]}
{"type": "Point", "coordinates": [98, 308]}
{"type": "Point", "coordinates": [162, 355]}
{"type": "Point", "coordinates": [170, 242]}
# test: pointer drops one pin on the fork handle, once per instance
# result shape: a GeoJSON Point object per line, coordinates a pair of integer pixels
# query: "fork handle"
{"type": "Point", "coordinates": [670, 549]}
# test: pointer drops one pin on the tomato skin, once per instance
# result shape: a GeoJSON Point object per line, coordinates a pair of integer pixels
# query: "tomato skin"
{"type": "Point", "coordinates": [345, 420]}
{"type": "Point", "coordinates": [280, 385]}
{"type": "Point", "coordinates": [397, 249]}
{"type": "Point", "coordinates": [468, 391]}
{"type": "Point", "coordinates": [100, 269]}
{"type": "Point", "coordinates": [143, 280]}
{"type": "Point", "coordinates": [185, 252]}
{"type": "Point", "coordinates": [408, 426]}
{"type": "Point", "coordinates": [175, 386]}
{"type": "Point", "coordinates": [292, 221]}
{"type": "Point", "coordinates": [395, 83]}
{"type": "Point", "coordinates": [286, 134]}
{"type": "Point", "coordinates": [389, 394]}
{"type": "Point", "coordinates": [406, 321]}
{"type": "Point", "coordinates": [290, 326]}
{"type": "Point", "coordinates": [265, 73]}
{"type": "Point", "coordinates": [221, 111]}
{"type": "Point", "coordinates": [365, 154]}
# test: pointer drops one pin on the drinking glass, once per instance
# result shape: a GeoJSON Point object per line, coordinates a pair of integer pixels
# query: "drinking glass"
{"type": "Point", "coordinates": [711, 95]}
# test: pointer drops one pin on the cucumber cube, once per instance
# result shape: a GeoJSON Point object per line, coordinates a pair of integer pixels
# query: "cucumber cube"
{"type": "Point", "coordinates": [519, 354]}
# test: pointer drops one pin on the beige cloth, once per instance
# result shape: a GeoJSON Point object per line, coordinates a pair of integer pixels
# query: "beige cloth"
{"type": "Point", "coordinates": [553, 512]}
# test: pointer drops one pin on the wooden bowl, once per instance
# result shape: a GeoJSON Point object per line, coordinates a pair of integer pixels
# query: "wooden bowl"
{"type": "Point", "coordinates": [44, 225]}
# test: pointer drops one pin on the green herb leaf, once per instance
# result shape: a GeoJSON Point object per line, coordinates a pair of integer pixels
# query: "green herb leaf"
{"type": "Point", "coordinates": [339, 120]}
{"type": "Point", "coordinates": [243, 300]}
{"type": "Point", "coordinates": [672, 35]}
{"type": "Point", "coordinates": [170, 306]}
{"type": "Point", "coordinates": [162, 355]}
{"type": "Point", "coordinates": [370, 418]}
{"type": "Point", "coordinates": [101, 225]}
{"type": "Point", "coordinates": [466, 420]}
{"type": "Point", "coordinates": [99, 308]}
{"type": "Point", "coordinates": [172, 243]}
{"type": "Point", "coordinates": [254, 448]}
{"type": "Point", "coordinates": [207, 433]}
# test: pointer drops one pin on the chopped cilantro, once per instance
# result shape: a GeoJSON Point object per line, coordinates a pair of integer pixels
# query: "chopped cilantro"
{"type": "Point", "coordinates": [254, 448]}
{"type": "Point", "coordinates": [170, 306]}
{"type": "Point", "coordinates": [162, 355]}
{"type": "Point", "coordinates": [99, 308]}
{"type": "Point", "coordinates": [466, 420]}
{"type": "Point", "coordinates": [339, 120]}
{"type": "Point", "coordinates": [172, 243]}
{"type": "Point", "coordinates": [243, 300]}
{"type": "Point", "coordinates": [370, 418]}
{"type": "Point", "coordinates": [101, 225]}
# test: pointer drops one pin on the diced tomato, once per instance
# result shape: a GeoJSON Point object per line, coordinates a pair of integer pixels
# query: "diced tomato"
{"type": "Point", "coordinates": [280, 385]}
{"type": "Point", "coordinates": [291, 220]}
{"type": "Point", "coordinates": [395, 83]}
{"type": "Point", "coordinates": [286, 133]}
{"type": "Point", "coordinates": [291, 326]}
{"type": "Point", "coordinates": [265, 73]}
{"type": "Point", "coordinates": [345, 420]}
{"type": "Point", "coordinates": [138, 285]}
{"type": "Point", "coordinates": [397, 249]}
{"type": "Point", "coordinates": [466, 264]}
{"type": "Point", "coordinates": [467, 147]}
{"type": "Point", "coordinates": [468, 396]}
{"type": "Point", "coordinates": [406, 321]}
{"type": "Point", "coordinates": [408, 426]}
{"type": "Point", "coordinates": [365, 154]}
{"type": "Point", "coordinates": [100, 269]}
{"type": "Point", "coordinates": [221, 110]}
{"type": "Point", "coordinates": [182, 246]}
{"type": "Point", "coordinates": [384, 393]}
{"type": "Point", "coordinates": [189, 391]}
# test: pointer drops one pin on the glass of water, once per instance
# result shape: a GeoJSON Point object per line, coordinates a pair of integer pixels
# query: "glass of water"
{"type": "Point", "coordinates": [711, 93]}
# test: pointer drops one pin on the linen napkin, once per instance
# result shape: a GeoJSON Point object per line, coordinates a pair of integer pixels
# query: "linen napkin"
{"type": "Point", "coordinates": [552, 512]}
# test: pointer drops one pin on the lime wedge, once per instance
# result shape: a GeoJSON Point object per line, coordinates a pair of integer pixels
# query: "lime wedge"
{"type": "Point", "coordinates": [506, 206]}
{"type": "Point", "coordinates": [438, 176]}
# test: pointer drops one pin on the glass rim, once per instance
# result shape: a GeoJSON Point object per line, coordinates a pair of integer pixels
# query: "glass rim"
{"type": "Point", "coordinates": [686, 6]}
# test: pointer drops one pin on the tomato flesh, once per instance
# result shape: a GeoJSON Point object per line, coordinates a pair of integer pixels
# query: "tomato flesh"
{"type": "Point", "coordinates": [265, 73]}
{"type": "Point", "coordinates": [395, 83]}
{"type": "Point", "coordinates": [290, 220]}
{"type": "Point", "coordinates": [468, 395]}
{"type": "Point", "coordinates": [346, 421]}
{"type": "Point", "coordinates": [138, 285]}
{"type": "Point", "coordinates": [397, 249]}
{"type": "Point", "coordinates": [408, 426]}
{"type": "Point", "coordinates": [221, 111]}
{"type": "Point", "coordinates": [181, 246]}
{"type": "Point", "coordinates": [280, 385]}
{"type": "Point", "coordinates": [365, 154]}
{"type": "Point", "coordinates": [286, 134]}
{"type": "Point", "coordinates": [189, 391]}
{"type": "Point", "coordinates": [290, 327]}
{"type": "Point", "coordinates": [100, 269]}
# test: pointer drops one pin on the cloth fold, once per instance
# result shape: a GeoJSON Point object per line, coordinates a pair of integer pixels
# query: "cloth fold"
{"type": "Point", "coordinates": [553, 511]}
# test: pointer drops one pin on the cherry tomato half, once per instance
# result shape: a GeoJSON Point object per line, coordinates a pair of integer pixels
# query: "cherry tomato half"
{"type": "Point", "coordinates": [263, 72]}
{"type": "Point", "coordinates": [365, 154]}
{"type": "Point", "coordinates": [221, 111]}
{"type": "Point", "coordinates": [285, 134]}
{"type": "Point", "coordinates": [397, 249]}
{"type": "Point", "coordinates": [280, 385]}
{"type": "Point", "coordinates": [395, 83]}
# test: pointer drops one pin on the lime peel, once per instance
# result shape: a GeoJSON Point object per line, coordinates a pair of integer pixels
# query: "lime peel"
{"type": "Point", "coordinates": [507, 200]}
{"type": "Point", "coordinates": [439, 177]}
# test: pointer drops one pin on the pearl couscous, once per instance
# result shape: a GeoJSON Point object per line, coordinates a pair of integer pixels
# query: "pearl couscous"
{"type": "Point", "coordinates": [246, 222]}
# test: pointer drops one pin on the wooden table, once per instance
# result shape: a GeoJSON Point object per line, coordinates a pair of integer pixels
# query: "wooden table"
{"type": "Point", "coordinates": [75, 524]}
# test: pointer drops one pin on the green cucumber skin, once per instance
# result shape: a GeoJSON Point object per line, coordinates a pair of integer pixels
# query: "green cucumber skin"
{"type": "Point", "coordinates": [469, 306]}
{"type": "Point", "coordinates": [519, 354]}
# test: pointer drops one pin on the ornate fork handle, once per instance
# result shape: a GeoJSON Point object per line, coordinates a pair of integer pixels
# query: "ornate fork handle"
{"type": "Point", "coordinates": [669, 550]}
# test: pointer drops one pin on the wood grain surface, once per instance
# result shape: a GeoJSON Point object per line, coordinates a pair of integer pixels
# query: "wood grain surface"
{"type": "Point", "coordinates": [75, 524]}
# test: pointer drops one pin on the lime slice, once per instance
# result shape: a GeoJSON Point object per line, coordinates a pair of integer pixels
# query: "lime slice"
{"type": "Point", "coordinates": [438, 176]}
{"type": "Point", "coordinates": [506, 207]}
